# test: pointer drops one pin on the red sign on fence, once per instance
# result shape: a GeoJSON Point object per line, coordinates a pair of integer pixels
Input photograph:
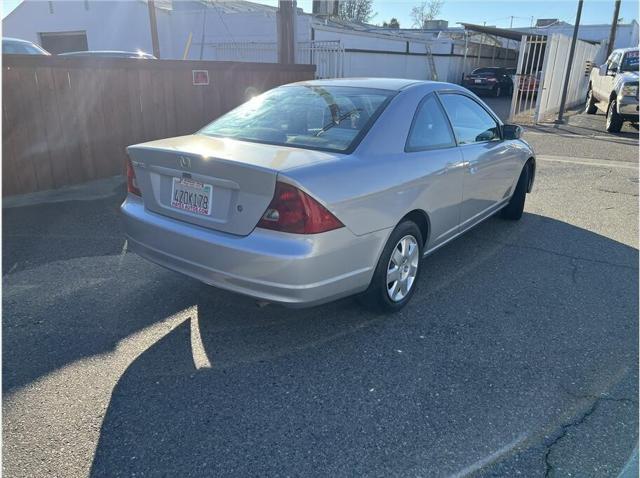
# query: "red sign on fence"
{"type": "Point", "coordinates": [200, 77]}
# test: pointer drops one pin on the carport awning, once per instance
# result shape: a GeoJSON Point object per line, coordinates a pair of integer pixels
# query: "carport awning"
{"type": "Point", "coordinates": [495, 31]}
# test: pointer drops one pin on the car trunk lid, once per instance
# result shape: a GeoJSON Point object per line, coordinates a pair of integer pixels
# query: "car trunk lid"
{"type": "Point", "coordinates": [216, 183]}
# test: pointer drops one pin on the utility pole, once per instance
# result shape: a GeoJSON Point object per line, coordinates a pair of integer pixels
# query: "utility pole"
{"type": "Point", "coordinates": [614, 27]}
{"type": "Point", "coordinates": [572, 51]}
{"type": "Point", "coordinates": [204, 27]}
{"type": "Point", "coordinates": [509, 39]}
{"type": "Point", "coordinates": [153, 24]}
{"type": "Point", "coordinates": [287, 31]}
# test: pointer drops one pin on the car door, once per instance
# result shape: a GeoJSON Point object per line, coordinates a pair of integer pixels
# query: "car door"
{"type": "Point", "coordinates": [490, 164]}
{"type": "Point", "coordinates": [431, 150]}
{"type": "Point", "coordinates": [604, 83]}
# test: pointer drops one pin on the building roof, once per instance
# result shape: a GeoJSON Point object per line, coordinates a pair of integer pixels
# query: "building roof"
{"type": "Point", "coordinates": [226, 6]}
{"type": "Point", "coordinates": [240, 6]}
{"type": "Point", "coordinates": [495, 31]}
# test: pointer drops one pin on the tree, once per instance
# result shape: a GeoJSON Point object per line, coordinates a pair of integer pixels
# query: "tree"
{"type": "Point", "coordinates": [393, 23]}
{"type": "Point", "coordinates": [426, 10]}
{"type": "Point", "coordinates": [360, 11]}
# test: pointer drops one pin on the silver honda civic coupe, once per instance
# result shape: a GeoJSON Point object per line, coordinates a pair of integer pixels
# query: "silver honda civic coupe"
{"type": "Point", "coordinates": [323, 189]}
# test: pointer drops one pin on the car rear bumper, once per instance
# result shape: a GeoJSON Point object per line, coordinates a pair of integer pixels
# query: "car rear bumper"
{"type": "Point", "coordinates": [292, 269]}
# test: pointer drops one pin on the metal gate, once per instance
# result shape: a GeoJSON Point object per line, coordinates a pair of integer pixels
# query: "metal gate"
{"type": "Point", "coordinates": [539, 79]}
{"type": "Point", "coordinates": [328, 56]}
{"type": "Point", "coordinates": [528, 78]}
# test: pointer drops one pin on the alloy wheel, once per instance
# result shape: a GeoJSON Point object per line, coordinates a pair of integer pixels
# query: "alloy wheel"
{"type": "Point", "coordinates": [402, 268]}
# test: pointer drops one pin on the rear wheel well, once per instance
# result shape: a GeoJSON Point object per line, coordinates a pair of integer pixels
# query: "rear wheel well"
{"type": "Point", "coordinates": [531, 164]}
{"type": "Point", "coordinates": [420, 218]}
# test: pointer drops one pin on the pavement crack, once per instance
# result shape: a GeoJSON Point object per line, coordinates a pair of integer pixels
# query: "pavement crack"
{"type": "Point", "coordinates": [562, 432]}
{"type": "Point", "coordinates": [13, 268]}
{"type": "Point", "coordinates": [574, 271]}
{"type": "Point", "coordinates": [561, 254]}
{"type": "Point", "coordinates": [610, 191]}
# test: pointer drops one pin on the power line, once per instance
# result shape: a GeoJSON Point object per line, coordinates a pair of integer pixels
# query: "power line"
{"type": "Point", "coordinates": [223, 22]}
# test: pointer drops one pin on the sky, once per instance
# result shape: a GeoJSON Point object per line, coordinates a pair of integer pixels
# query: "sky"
{"type": "Point", "coordinates": [493, 12]}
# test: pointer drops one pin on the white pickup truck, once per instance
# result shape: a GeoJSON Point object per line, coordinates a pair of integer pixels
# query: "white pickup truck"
{"type": "Point", "coordinates": [613, 88]}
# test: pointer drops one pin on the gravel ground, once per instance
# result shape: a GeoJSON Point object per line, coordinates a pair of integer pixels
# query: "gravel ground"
{"type": "Point", "coordinates": [517, 355]}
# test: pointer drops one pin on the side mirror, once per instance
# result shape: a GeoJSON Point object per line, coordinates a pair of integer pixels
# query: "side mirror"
{"type": "Point", "coordinates": [511, 131]}
{"type": "Point", "coordinates": [486, 135]}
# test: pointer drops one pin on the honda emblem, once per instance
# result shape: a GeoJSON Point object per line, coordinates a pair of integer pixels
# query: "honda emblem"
{"type": "Point", "coordinates": [184, 162]}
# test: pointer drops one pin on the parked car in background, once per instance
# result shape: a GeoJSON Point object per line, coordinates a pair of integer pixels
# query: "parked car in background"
{"type": "Point", "coordinates": [323, 189]}
{"type": "Point", "coordinates": [111, 54]}
{"type": "Point", "coordinates": [528, 84]}
{"type": "Point", "coordinates": [492, 81]}
{"type": "Point", "coordinates": [15, 46]}
{"type": "Point", "coordinates": [613, 88]}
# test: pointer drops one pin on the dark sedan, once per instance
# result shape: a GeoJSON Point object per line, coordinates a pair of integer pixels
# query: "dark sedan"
{"type": "Point", "coordinates": [492, 81]}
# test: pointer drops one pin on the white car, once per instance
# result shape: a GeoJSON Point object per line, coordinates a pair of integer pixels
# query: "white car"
{"type": "Point", "coordinates": [613, 88]}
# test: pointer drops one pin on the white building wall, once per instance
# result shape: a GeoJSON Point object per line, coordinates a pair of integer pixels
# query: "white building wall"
{"type": "Point", "coordinates": [110, 25]}
{"type": "Point", "coordinates": [626, 34]}
{"type": "Point", "coordinates": [369, 54]}
{"type": "Point", "coordinates": [124, 25]}
{"type": "Point", "coordinates": [250, 27]}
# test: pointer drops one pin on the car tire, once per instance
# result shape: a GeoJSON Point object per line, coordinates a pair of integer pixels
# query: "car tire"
{"type": "Point", "coordinates": [614, 120]}
{"type": "Point", "coordinates": [378, 296]}
{"type": "Point", "coordinates": [514, 208]}
{"type": "Point", "coordinates": [590, 107]}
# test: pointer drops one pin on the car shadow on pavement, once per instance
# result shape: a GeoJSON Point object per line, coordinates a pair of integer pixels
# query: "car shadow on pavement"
{"type": "Point", "coordinates": [73, 292]}
{"type": "Point", "coordinates": [512, 326]}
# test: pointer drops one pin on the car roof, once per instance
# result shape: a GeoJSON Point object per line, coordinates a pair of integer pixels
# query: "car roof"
{"type": "Point", "coordinates": [394, 84]}
{"type": "Point", "coordinates": [16, 40]}
{"type": "Point", "coordinates": [105, 53]}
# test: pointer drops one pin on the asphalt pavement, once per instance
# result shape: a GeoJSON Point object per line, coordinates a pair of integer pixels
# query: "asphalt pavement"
{"type": "Point", "coordinates": [517, 355]}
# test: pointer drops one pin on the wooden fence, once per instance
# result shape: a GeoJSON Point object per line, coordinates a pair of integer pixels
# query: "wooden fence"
{"type": "Point", "coordinates": [68, 120]}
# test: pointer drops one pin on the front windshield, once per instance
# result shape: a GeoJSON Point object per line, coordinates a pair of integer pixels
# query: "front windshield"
{"type": "Point", "coordinates": [630, 61]}
{"type": "Point", "coordinates": [315, 117]}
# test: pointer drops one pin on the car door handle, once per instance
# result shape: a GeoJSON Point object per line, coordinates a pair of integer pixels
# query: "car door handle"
{"type": "Point", "coordinates": [471, 166]}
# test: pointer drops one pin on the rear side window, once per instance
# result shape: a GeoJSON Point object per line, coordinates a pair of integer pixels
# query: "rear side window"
{"type": "Point", "coordinates": [471, 122]}
{"type": "Point", "coordinates": [430, 128]}
{"type": "Point", "coordinates": [614, 60]}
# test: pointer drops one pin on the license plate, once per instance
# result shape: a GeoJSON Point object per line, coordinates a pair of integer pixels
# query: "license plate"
{"type": "Point", "coordinates": [478, 81]}
{"type": "Point", "coordinates": [192, 196]}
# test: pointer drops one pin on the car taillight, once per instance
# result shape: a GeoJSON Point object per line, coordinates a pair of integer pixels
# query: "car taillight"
{"type": "Point", "coordinates": [292, 210]}
{"type": "Point", "coordinates": [132, 183]}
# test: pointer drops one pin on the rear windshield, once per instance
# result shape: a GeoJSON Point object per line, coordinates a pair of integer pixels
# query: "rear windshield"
{"type": "Point", "coordinates": [485, 71]}
{"type": "Point", "coordinates": [332, 118]}
{"type": "Point", "coordinates": [630, 61]}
